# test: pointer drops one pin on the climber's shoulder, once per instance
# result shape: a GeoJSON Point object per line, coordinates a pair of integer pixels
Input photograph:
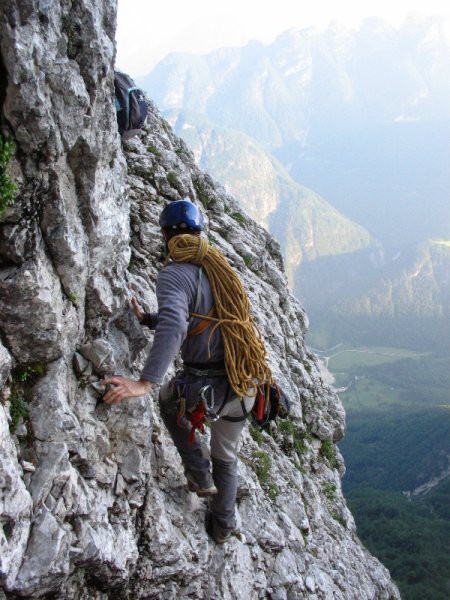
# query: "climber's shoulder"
{"type": "Point", "coordinates": [184, 275]}
{"type": "Point", "coordinates": [178, 269]}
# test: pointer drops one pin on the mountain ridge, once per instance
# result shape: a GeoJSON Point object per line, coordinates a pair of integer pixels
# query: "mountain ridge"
{"type": "Point", "coordinates": [337, 109]}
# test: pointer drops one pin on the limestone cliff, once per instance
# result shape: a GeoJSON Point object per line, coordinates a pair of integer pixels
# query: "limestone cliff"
{"type": "Point", "coordinates": [92, 498]}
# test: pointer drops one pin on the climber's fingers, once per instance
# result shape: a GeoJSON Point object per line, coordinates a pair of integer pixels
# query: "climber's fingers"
{"type": "Point", "coordinates": [122, 388]}
{"type": "Point", "coordinates": [137, 309]}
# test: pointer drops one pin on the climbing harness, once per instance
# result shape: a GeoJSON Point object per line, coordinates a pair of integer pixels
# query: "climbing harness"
{"type": "Point", "coordinates": [245, 358]}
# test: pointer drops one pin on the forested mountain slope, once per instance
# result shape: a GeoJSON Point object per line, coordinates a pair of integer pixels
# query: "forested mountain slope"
{"type": "Point", "coordinates": [403, 300]}
{"type": "Point", "coordinates": [305, 224]}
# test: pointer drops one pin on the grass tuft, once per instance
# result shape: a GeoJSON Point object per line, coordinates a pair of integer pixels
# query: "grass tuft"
{"type": "Point", "coordinates": [239, 217]}
{"type": "Point", "coordinates": [328, 451]}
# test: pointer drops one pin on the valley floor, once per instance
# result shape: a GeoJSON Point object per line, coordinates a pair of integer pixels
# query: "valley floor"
{"type": "Point", "coordinates": [397, 453]}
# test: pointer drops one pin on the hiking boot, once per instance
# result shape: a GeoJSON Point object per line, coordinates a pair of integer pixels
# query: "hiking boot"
{"type": "Point", "coordinates": [218, 533]}
{"type": "Point", "coordinates": [208, 490]}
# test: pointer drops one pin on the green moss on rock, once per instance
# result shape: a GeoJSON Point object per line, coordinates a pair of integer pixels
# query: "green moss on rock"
{"type": "Point", "coordinates": [8, 189]}
{"type": "Point", "coordinates": [23, 378]}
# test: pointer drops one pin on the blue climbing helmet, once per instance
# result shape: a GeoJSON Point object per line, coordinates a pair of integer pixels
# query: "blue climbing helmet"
{"type": "Point", "coordinates": [181, 214]}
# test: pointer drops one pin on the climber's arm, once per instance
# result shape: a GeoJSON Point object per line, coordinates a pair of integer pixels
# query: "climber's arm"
{"type": "Point", "coordinates": [148, 319]}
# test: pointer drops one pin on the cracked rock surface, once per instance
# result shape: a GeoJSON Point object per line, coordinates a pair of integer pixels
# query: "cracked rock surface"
{"type": "Point", "coordinates": [93, 502]}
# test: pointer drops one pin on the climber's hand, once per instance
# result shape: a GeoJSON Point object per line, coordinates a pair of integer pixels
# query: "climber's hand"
{"type": "Point", "coordinates": [122, 388]}
{"type": "Point", "coordinates": [137, 309]}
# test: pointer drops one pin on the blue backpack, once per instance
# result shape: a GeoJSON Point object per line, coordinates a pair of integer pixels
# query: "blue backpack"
{"type": "Point", "coordinates": [131, 107]}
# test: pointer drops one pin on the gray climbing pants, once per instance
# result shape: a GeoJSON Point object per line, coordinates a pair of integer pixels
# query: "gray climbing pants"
{"type": "Point", "coordinates": [224, 442]}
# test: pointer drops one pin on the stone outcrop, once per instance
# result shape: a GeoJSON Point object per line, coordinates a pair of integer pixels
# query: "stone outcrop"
{"type": "Point", "coordinates": [92, 498]}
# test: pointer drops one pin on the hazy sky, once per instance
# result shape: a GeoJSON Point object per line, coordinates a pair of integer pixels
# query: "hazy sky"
{"type": "Point", "coordinates": [147, 31]}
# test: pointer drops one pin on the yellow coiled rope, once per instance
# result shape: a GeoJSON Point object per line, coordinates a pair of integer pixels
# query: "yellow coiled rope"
{"type": "Point", "coordinates": [245, 355]}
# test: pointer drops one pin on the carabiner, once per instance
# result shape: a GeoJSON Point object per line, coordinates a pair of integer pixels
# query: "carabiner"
{"type": "Point", "coordinates": [206, 394]}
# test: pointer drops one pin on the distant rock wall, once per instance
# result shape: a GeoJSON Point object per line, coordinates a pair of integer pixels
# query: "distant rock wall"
{"type": "Point", "coordinates": [92, 498]}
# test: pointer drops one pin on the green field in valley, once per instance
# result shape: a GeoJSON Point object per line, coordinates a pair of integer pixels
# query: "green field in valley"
{"type": "Point", "coordinates": [349, 358]}
{"type": "Point", "coordinates": [413, 382]}
{"type": "Point", "coordinates": [366, 393]}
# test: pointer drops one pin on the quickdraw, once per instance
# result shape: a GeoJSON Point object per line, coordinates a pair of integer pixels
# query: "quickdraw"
{"type": "Point", "coordinates": [194, 420]}
{"type": "Point", "coordinates": [197, 420]}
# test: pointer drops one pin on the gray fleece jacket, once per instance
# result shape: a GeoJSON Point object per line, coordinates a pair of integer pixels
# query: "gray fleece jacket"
{"type": "Point", "coordinates": [176, 292]}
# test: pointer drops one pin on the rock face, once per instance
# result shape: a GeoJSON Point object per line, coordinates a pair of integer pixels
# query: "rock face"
{"type": "Point", "coordinates": [92, 498]}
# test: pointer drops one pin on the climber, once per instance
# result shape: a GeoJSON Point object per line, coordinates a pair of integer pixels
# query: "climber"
{"type": "Point", "coordinates": [204, 311]}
